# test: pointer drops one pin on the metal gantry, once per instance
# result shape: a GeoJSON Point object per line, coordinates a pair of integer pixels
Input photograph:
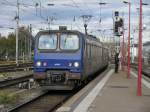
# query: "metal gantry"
{"type": "Point", "coordinates": [86, 19]}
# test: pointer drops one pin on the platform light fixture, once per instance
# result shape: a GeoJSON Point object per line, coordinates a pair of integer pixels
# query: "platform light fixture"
{"type": "Point", "coordinates": [101, 3]}
{"type": "Point", "coordinates": [128, 73]}
{"type": "Point", "coordinates": [139, 82]}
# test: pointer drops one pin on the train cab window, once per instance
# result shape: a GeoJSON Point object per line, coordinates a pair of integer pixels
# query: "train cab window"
{"type": "Point", "coordinates": [47, 42]}
{"type": "Point", "coordinates": [69, 42]}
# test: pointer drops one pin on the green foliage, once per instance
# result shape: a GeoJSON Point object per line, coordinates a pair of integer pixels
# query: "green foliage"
{"type": "Point", "coordinates": [5, 98]}
{"type": "Point", "coordinates": [8, 44]}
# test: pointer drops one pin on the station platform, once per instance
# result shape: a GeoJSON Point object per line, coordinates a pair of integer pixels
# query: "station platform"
{"type": "Point", "coordinates": [119, 95]}
{"type": "Point", "coordinates": [114, 93]}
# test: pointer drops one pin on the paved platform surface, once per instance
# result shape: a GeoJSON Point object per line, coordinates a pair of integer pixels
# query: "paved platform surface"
{"type": "Point", "coordinates": [119, 95]}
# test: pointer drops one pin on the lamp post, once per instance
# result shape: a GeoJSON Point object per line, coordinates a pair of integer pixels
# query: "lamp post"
{"type": "Point", "coordinates": [132, 49]}
{"type": "Point", "coordinates": [128, 72]}
{"type": "Point", "coordinates": [101, 3]}
{"type": "Point", "coordinates": [139, 88]}
{"type": "Point", "coordinates": [50, 19]}
{"type": "Point", "coordinates": [17, 31]}
{"type": "Point", "coordinates": [123, 49]}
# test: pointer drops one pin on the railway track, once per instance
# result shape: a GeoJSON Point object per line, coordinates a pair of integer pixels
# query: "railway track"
{"type": "Point", "coordinates": [14, 67]}
{"type": "Point", "coordinates": [145, 70]}
{"type": "Point", "coordinates": [44, 102]}
{"type": "Point", "coordinates": [48, 101]}
{"type": "Point", "coordinates": [146, 73]}
{"type": "Point", "coordinates": [13, 81]}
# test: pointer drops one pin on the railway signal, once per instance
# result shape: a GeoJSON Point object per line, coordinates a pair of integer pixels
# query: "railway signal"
{"type": "Point", "coordinates": [119, 31]}
{"type": "Point", "coordinates": [118, 25]}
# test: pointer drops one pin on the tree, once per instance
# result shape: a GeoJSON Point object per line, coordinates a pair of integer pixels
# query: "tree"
{"type": "Point", "coordinates": [8, 44]}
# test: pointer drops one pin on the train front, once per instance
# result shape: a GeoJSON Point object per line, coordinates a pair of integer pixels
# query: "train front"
{"type": "Point", "coordinates": [58, 59]}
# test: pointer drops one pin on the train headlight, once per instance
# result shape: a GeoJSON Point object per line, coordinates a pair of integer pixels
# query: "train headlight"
{"type": "Point", "coordinates": [44, 63]}
{"type": "Point", "coordinates": [38, 63]}
{"type": "Point", "coordinates": [76, 64]}
{"type": "Point", "coordinates": [70, 64]}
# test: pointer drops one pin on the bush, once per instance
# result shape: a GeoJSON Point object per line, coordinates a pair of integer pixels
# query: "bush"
{"type": "Point", "coordinates": [6, 98]}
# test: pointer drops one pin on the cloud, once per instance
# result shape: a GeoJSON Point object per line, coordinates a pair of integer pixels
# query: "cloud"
{"type": "Point", "coordinates": [65, 10]}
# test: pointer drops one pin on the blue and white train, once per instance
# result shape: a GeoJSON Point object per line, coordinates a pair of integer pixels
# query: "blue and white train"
{"type": "Point", "coordinates": [65, 58]}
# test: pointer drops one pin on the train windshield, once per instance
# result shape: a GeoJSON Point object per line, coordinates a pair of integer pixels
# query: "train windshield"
{"type": "Point", "coordinates": [69, 42]}
{"type": "Point", "coordinates": [47, 42]}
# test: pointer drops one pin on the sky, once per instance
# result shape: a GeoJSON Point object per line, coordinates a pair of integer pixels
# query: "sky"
{"type": "Point", "coordinates": [68, 13]}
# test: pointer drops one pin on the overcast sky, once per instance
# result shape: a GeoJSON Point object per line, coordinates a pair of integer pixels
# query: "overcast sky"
{"type": "Point", "coordinates": [64, 12]}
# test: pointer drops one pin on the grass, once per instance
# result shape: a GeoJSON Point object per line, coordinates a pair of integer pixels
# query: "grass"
{"type": "Point", "coordinates": [3, 75]}
{"type": "Point", "coordinates": [6, 98]}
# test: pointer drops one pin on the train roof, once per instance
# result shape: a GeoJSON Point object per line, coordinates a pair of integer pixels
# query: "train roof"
{"type": "Point", "coordinates": [61, 31]}
{"type": "Point", "coordinates": [91, 37]}
{"type": "Point", "coordinates": [67, 31]}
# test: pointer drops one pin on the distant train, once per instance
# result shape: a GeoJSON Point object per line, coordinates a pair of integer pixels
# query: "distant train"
{"type": "Point", "coordinates": [63, 59]}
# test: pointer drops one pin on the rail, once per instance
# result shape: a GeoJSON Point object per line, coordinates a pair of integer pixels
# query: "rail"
{"type": "Point", "coordinates": [44, 102]}
{"type": "Point", "coordinates": [145, 69]}
{"type": "Point", "coordinates": [14, 67]}
{"type": "Point", "coordinates": [9, 82]}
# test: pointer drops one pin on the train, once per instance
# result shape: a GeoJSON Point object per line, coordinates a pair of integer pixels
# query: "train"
{"type": "Point", "coordinates": [63, 59]}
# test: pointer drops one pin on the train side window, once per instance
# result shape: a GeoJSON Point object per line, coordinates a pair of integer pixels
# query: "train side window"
{"type": "Point", "coordinates": [93, 51]}
{"type": "Point", "coordinates": [104, 54]}
{"type": "Point", "coordinates": [89, 51]}
{"type": "Point", "coordinates": [101, 51]}
{"type": "Point", "coordinates": [86, 49]}
{"type": "Point", "coordinates": [97, 50]}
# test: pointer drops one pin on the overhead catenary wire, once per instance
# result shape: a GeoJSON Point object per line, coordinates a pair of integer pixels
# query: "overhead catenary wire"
{"type": "Point", "coordinates": [87, 7]}
{"type": "Point", "coordinates": [77, 6]}
{"type": "Point", "coordinates": [24, 5]}
{"type": "Point", "coordinates": [42, 17]}
{"type": "Point", "coordinates": [5, 2]}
